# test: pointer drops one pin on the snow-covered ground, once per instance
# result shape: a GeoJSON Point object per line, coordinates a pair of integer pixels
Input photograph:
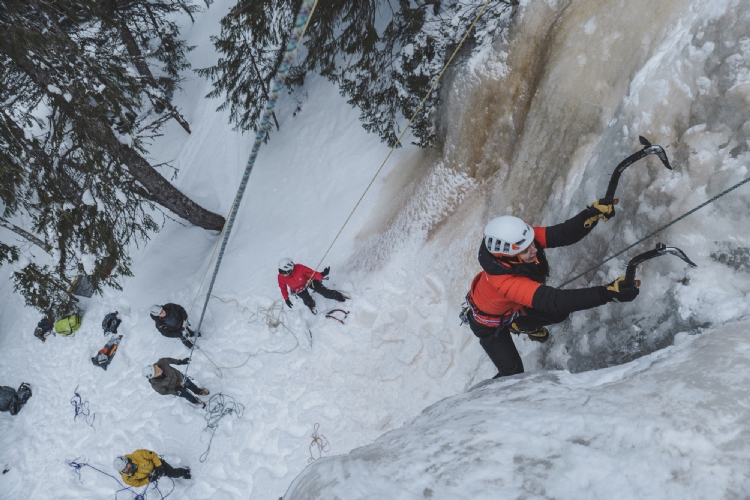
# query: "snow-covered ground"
{"type": "Point", "coordinates": [534, 128]}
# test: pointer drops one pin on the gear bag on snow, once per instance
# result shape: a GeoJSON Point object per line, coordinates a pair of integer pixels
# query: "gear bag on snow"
{"type": "Point", "coordinates": [11, 400]}
{"type": "Point", "coordinates": [66, 326]}
{"type": "Point", "coordinates": [110, 323]}
{"type": "Point", "coordinates": [104, 357]}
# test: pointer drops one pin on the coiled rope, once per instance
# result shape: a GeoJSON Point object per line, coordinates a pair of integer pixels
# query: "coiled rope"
{"type": "Point", "coordinates": [81, 409]}
{"type": "Point", "coordinates": [657, 231]}
{"type": "Point", "coordinates": [219, 406]}
{"type": "Point", "coordinates": [77, 466]}
{"type": "Point", "coordinates": [275, 318]}
{"type": "Point", "coordinates": [320, 442]}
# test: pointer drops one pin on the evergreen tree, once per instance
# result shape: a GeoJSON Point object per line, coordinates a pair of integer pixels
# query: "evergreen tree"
{"type": "Point", "coordinates": [384, 54]}
{"type": "Point", "coordinates": [73, 129]}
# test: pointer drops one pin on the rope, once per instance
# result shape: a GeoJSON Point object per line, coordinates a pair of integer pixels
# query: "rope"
{"type": "Point", "coordinates": [398, 141]}
{"type": "Point", "coordinates": [219, 406]}
{"type": "Point", "coordinates": [274, 318]}
{"type": "Point", "coordinates": [319, 441]}
{"type": "Point", "coordinates": [81, 408]}
{"type": "Point", "coordinates": [300, 26]}
{"type": "Point", "coordinates": [658, 230]}
{"type": "Point", "coordinates": [77, 466]}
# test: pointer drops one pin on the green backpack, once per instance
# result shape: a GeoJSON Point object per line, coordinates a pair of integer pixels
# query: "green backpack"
{"type": "Point", "coordinates": [67, 326]}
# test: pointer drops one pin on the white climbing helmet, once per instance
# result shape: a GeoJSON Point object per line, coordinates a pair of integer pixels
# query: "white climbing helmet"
{"type": "Point", "coordinates": [286, 265]}
{"type": "Point", "coordinates": [156, 310]}
{"type": "Point", "coordinates": [148, 371]}
{"type": "Point", "coordinates": [120, 463]}
{"type": "Point", "coordinates": [507, 235]}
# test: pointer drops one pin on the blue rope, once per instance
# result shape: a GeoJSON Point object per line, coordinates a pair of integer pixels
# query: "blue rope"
{"type": "Point", "coordinates": [300, 24]}
{"type": "Point", "coordinates": [77, 466]}
{"type": "Point", "coordinates": [81, 408]}
{"type": "Point", "coordinates": [219, 406]}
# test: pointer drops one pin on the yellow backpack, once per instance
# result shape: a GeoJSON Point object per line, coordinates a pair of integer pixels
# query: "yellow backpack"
{"type": "Point", "coordinates": [66, 326]}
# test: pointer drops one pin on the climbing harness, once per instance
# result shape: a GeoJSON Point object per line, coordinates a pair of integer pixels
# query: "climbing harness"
{"type": "Point", "coordinates": [318, 441]}
{"type": "Point", "coordinates": [219, 406]}
{"type": "Point", "coordinates": [77, 466]}
{"type": "Point", "coordinates": [81, 409]}
{"type": "Point", "coordinates": [330, 315]}
{"type": "Point", "coordinates": [300, 25]}
{"type": "Point", "coordinates": [662, 228]}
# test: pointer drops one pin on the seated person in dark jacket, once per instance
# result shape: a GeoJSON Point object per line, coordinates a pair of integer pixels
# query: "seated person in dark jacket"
{"type": "Point", "coordinates": [172, 321]}
{"type": "Point", "coordinates": [510, 294]}
{"type": "Point", "coordinates": [12, 400]}
{"type": "Point", "coordinates": [167, 380]}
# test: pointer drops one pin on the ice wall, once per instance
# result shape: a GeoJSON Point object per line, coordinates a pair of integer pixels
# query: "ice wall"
{"type": "Point", "coordinates": [651, 429]}
{"type": "Point", "coordinates": [535, 127]}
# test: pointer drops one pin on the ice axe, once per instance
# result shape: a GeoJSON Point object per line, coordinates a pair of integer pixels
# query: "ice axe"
{"type": "Point", "coordinates": [661, 249]}
{"type": "Point", "coordinates": [649, 149]}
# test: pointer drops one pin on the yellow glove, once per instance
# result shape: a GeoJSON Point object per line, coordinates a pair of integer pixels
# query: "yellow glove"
{"type": "Point", "coordinates": [601, 209]}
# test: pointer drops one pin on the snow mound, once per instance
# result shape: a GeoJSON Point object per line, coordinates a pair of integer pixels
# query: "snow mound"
{"type": "Point", "coordinates": [683, 432]}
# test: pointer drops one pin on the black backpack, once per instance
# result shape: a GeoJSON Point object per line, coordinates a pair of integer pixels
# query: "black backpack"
{"type": "Point", "coordinates": [110, 323]}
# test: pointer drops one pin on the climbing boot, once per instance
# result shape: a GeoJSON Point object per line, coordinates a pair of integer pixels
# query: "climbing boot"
{"type": "Point", "coordinates": [203, 392]}
{"type": "Point", "coordinates": [540, 334]}
{"type": "Point", "coordinates": [201, 404]}
{"type": "Point", "coordinates": [186, 474]}
{"type": "Point", "coordinates": [313, 310]}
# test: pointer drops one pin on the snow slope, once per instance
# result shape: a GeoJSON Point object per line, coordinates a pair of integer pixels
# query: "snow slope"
{"type": "Point", "coordinates": [672, 424]}
{"type": "Point", "coordinates": [407, 257]}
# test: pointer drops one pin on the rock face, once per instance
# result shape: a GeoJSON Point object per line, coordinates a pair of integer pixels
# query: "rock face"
{"type": "Point", "coordinates": [674, 424]}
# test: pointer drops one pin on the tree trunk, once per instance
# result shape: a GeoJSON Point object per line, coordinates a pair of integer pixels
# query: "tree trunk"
{"type": "Point", "coordinates": [161, 190]}
{"type": "Point", "coordinates": [25, 235]}
{"type": "Point", "coordinates": [140, 64]}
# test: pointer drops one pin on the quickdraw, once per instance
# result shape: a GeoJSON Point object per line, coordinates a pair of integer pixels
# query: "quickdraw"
{"type": "Point", "coordinates": [329, 314]}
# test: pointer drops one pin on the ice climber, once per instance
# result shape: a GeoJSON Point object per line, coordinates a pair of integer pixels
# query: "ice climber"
{"type": "Point", "coordinates": [299, 279]}
{"type": "Point", "coordinates": [167, 380]}
{"type": "Point", "coordinates": [172, 321]}
{"type": "Point", "coordinates": [12, 400]}
{"type": "Point", "coordinates": [509, 295]}
{"type": "Point", "coordinates": [144, 466]}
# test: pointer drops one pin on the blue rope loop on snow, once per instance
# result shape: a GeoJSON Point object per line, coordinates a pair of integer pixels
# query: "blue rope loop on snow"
{"type": "Point", "coordinates": [219, 406]}
{"type": "Point", "coordinates": [81, 408]}
{"type": "Point", "coordinates": [77, 466]}
{"type": "Point", "coordinates": [300, 24]}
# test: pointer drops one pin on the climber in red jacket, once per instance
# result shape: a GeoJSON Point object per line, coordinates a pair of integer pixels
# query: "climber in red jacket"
{"type": "Point", "coordinates": [300, 278]}
{"type": "Point", "coordinates": [510, 295]}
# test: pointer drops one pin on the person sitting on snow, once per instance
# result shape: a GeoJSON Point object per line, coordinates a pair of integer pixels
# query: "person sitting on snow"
{"type": "Point", "coordinates": [144, 466]}
{"type": "Point", "coordinates": [44, 329]}
{"type": "Point", "coordinates": [299, 278]}
{"type": "Point", "coordinates": [509, 295]}
{"type": "Point", "coordinates": [12, 400]}
{"type": "Point", "coordinates": [167, 380]}
{"type": "Point", "coordinates": [172, 321]}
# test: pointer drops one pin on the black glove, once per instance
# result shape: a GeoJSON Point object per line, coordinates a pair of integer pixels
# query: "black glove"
{"type": "Point", "coordinates": [289, 303]}
{"type": "Point", "coordinates": [325, 271]}
{"type": "Point", "coordinates": [157, 473]}
{"type": "Point", "coordinates": [601, 209]}
{"type": "Point", "coordinates": [184, 361]}
{"type": "Point", "coordinates": [619, 292]}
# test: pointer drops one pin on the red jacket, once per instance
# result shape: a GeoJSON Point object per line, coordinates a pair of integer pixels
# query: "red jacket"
{"type": "Point", "coordinates": [298, 280]}
{"type": "Point", "coordinates": [505, 294]}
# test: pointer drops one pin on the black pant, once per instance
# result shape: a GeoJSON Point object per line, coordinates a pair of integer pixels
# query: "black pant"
{"type": "Point", "coordinates": [170, 471]}
{"type": "Point", "coordinates": [184, 392]}
{"type": "Point", "coordinates": [498, 344]}
{"type": "Point", "coordinates": [317, 286]}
